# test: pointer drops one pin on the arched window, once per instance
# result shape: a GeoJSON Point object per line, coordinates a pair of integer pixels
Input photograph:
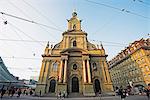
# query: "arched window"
{"type": "Point", "coordinates": [74, 43]}
{"type": "Point", "coordinates": [94, 66]}
{"type": "Point", "coordinates": [55, 65]}
{"type": "Point", "coordinates": [74, 66]}
{"type": "Point", "coordinates": [74, 26]}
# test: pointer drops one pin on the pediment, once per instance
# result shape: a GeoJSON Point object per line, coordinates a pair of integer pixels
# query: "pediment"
{"type": "Point", "coordinates": [73, 49]}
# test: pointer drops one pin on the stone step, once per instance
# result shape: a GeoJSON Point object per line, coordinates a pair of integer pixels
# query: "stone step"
{"type": "Point", "coordinates": [50, 95]}
{"type": "Point", "coordinates": [73, 95]}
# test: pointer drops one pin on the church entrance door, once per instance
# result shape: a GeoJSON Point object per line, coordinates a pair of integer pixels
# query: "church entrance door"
{"type": "Point", "coordinates": [52, 86]}
{"type": "Point", "coordinates": [75, 84]}
{"type": "Point", "coordinates": [97, 86]}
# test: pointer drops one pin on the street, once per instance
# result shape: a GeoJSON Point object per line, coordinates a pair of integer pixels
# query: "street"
{"type": "Point", "coordinates": [136, 97]}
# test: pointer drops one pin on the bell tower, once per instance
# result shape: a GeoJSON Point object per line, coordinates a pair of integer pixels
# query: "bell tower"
{"type": "Point", "coordinates": [74, 24]}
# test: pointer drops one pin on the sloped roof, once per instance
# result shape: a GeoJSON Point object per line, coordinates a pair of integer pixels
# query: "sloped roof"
{"type": "Point", "coordinates": [5, 75]}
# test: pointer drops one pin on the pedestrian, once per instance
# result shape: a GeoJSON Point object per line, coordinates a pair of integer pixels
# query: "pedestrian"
{"type": "Point", "coordinates": [123, 94]}
{"type": "Point", "coordinates": [13, 92]}
{"type": "Point", "coordinates": [31, 92]}
{"type": "Point", "coordinates": [40, 93]}
{"type": "Point", "coordinates": [24, 92]}
{"type": "Point", "coordinates": [9, 92]}
{"type": "Point", "coordinates": [64, 93]}
{"type": "Point", "coordinates": [59, 94]}
{"type": "Point", "coordinates": [3, 91]}
{"type": "Point", "coordinates": [19, 92]}
{"type": "Point", "coordinates": [147, 93]}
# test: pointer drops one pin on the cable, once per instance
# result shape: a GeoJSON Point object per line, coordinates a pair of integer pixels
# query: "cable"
{"type": "Point", "coordinates": [25, 14]}
{"type": "Point", "coordinates": [17, 8]}
{"type": "Point", "coordinates": [107, 42]}
{"type": "Point", "coordinates": [24, 33]}
{"type": "Point", "coordinates": [142, 2]}
{"type": "Point", "coordinates": [122, 10]}
{"type": "Point", "coordinates": [112, 18]}
{"type": "Point", "coordinates": [15, 40]}
{"type": "Point", "coordinates": [40, 13]}
{"type": "Point", "coordinates": [24, 68]}
{"type": "Point", "coordinates": [55, 42]}
{"type": "Point", "coordinates": [30, 21]}
{"type": "Point", "coordinates": [27, 58]}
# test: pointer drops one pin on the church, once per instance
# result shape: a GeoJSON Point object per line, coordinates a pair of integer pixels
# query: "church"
{"type": "Point", "coordinates": [74, 65]}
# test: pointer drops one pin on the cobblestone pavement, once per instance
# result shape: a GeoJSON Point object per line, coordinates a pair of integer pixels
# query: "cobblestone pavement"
{"type": "Point", "coordinates": [81, 98]}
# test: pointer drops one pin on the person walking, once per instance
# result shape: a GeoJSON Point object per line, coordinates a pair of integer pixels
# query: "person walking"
{"type": "Point", "coordinates": [31, 92]}
{"type": "Point", "coordinates": [2, 91]}
{"type": "Point", "coordinates": [123, 94]}
{"type": "Point", "coordinates": [19, 92]}
{"type": "Point", "coordinates": [13, 92]}
{"type": "Point", "coordinates": [59, 95]}
{"type": "Point", "coordinates": [147, 93]}
{"type": "Point", "coordinates": [40, 93]}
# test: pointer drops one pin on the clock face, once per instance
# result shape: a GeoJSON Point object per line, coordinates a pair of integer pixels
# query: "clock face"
{"type": "Point", "coordinates": [74, 14]}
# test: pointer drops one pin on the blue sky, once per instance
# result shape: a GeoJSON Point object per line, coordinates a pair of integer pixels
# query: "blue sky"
{"type": "Point", "coordinates": [116, 29]}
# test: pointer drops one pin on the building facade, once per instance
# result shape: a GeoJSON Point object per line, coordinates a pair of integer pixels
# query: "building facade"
{"type": "Point", "coordinates": [131, 67]}
{"type": "Point", "coordinates": [6, 78]}
{"type": "Point", "coordinates": [74, 65]}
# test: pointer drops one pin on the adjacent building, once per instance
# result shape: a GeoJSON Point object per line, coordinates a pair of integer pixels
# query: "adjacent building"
{"type": "Point", "coordinates": [131, 67]}
{"type": "Point", "coordinates": [6, 78]}
{"type": "Point", "coordinates": [74, 65]}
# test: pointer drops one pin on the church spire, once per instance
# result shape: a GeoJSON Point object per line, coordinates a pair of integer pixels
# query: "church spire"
{"type": "Point", "coordinates": [74, 24]}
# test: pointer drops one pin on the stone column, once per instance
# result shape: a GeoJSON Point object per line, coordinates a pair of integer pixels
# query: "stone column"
{"type": "Point", "coordinates": [45, 76]}
{"type": "Point", "coordinates": [41, 71]}
{"type": "Point", "coordinates": [60, 71]}
{"type": "Point", "coordinates": [84, 72]}
{"type": "Point", "coordinates": [107, 72]}
{"type": "Point", "coordinates": [65, 71]}
{"type": "Point", "coordinates": [103, 71]}
{"type": "Point", "coordinates": [89, 72]}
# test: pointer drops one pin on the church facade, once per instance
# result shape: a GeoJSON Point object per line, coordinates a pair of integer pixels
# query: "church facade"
{"type": "Point", "coordinates": [74, 65]}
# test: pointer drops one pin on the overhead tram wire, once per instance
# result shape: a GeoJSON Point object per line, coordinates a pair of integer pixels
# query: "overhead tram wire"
{"type": "Point", "coordinates": [15, 40]}
{"type": "Point", "coordinates": [24, 33]}
{"type": "Point", "coordinates": [21, 11]}
{"type": "Point", "coordinates": [143, 2]}
{"type": "Point", "coordinates": [107, 42]}
{"type": "Point", "coordinates": [40, 13]}
{"type": "Point", "coordinates": [121, 10]}
{"type": "Point", "coordinates": [32, 39]}
{"type": "Point", "coordinates": [30, 21]}
{"type": "Point", "coordinates": [28, 58]}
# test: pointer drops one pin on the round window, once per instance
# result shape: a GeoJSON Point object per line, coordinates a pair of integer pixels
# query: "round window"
{"type": "Point", "coordinates": [74, 66]}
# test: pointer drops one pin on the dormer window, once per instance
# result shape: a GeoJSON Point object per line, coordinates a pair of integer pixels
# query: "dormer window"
{"type": "Point", "coordinates": [74, 43]}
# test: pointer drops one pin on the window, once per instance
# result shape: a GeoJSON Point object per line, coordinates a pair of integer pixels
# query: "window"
{"type": "Point", "coordinates": [147, 68]}
{"type": "Point", "coordinates": [94, 66]}
{"type": "Point", "coordinates": [74, 43]}
{"type": "Point", "coordinates": [55, 65]}
{"type": "Point", "coordinates": [74, 26]}
{"type": "Point", "coordinates": [74, 66]}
